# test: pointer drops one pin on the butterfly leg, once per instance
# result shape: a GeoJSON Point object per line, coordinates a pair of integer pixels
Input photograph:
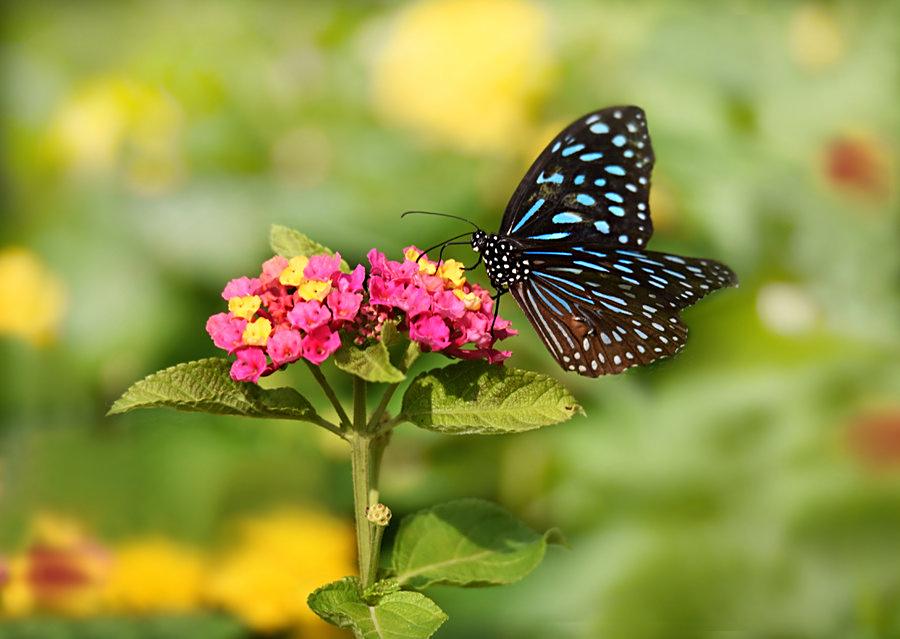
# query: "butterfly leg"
{"type": "Point", "coordinates": [500, 293]}
{"type": "Point", "coordinates": [475, 265]}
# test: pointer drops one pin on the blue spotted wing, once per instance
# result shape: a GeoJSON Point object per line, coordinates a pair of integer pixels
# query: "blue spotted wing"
{"type": "Point", "coordinates": [591, 184]}
{"type": "Point", "coordinates": [602, 311]}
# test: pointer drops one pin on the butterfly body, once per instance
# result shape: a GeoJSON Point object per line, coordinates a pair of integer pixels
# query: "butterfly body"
{"type": "Point", "coordinates": [571, 250]}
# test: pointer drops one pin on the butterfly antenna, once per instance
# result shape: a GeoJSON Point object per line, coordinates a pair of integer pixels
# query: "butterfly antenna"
{"type": "Point", "coordinates": [454, 217]}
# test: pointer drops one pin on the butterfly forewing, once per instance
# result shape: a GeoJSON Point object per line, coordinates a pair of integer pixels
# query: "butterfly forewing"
{"type": "Point", "coordinates": [603, 311]}
{"type": "Point", "coordinates": [591, 184]}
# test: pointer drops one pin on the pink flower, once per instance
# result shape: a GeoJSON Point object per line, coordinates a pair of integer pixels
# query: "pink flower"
{"type": "Point", "coordinates": [309, 315]}
{"type": "Point", "coordinates": [284, 347]}
{"type": "Point", "coordinates": [431, 331]}
{"type": "Point", "coordinates": [447, 305]}
{"type": "Point", "coordinates": [226, 330]}
{"type": "Point", "coordinates": [344, 306]}
{"type": "Point", "coordinates": [353, 283]}
{"type": "Point", "coordinates": [414, 300]}
{"type": "Point", "coordinates": [319, 344]}
{"type": "Point", "coordinates": [383, 292]}
{"type": "Point", "coordinates": [240, 287]}
{"type": "Point", "coordinates": [249, 365]}
{"type": "Point", "coordinates": [322, 267]}
{"type": "Point", "coordinates": [272, 268]}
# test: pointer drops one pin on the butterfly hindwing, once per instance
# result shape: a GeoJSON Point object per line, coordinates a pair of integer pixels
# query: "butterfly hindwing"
{"type": "Point", "coordinates": [603, 311]}
{"type": "Point", "coordinates": [591, 184]}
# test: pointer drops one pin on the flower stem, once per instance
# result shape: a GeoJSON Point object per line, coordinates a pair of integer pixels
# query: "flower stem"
{"type": "Point", "coordinates": [375, 421]}
{"type": "Point", "coordinates": [330, 394]}
{"type": "Point", "coordinates": [365, 458]}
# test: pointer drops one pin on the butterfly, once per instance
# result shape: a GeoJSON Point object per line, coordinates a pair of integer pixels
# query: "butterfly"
{"type": "Point", "coordinates": [571, 250]}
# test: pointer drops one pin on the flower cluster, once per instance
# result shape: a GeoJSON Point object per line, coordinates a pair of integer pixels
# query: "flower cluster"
{"type": "Point", "coordinates": [299, 308]}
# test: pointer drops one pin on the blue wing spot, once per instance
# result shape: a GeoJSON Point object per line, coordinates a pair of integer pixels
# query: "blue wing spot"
{"type": "Point", "coordinates": [563, 280]}
{"type": "Point", "coordinates": [640, 334]}
{"type": "Point", "coordinates": [599, 128]}
{"type": "Point", "coordinates": [619, 140]}
{"type": "Point", "coordinates": [602, 226]}
{"type": "Point", "coordinates": [564, 254]}
{"type": "Point", "coordinates": [594, 253]}
{"type": "Point", "coordinates": [596, 267]}
{"type": "Point", "coordinates": [550, 236]}
{"type": "Point", "coordinates": [615, 169]}
{"type": "Point", "coordinates": [624, 269]}
{"type": "Point", "coordinates": [579, 180]}
{"type": "Point", "coordinates": [617, 211]}
{"type": "Point", "coordinates": [674, 273]}
{"type": "Point", "coordinates": [569, 150]}
{"type": "Point", "coordinates": [584, 198]}
{"type": "Point", "coordinates": [540, 291]}
{"type": "Point", "coordinates": [566, 218]}
{"type": "Point", "coordinates": [556, 178]}
{"type": "Point", "coordinates": [631, 187]}
{"type": "Point", "coordinates": [631, 281]}
{"type": "Point", "coordinates": [623, 239]}
{"type": "Point", "coordinates": [590, 157]}
{"type": "Point", "coordinates": [628, 153]}
{"type": "Point", "coordinates": [556, 147]}
{"type": "Point", "coordinates": [615, 197]}
{"type": "Point", "coordinates": [611, 298]}
{"type": "Point", "coordinates": [600, 182]}
{"type": "Point", "coordinates": [534, 209]}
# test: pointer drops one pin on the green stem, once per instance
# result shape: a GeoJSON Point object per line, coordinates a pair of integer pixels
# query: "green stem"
{"type": "Point", "coordinates": [375, 421]}
{"type": "Point", "coordinates": [327, 425]}
{"type": "Point", "coordinates": [330, 394]}
{"type": "Point", "coordinates": [365, 458]}
{"type": "Point", "coordinates": [361, 464]}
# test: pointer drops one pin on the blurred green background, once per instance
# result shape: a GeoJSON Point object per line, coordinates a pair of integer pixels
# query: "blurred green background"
{"type": "Point", "coordinates": [748, 488]}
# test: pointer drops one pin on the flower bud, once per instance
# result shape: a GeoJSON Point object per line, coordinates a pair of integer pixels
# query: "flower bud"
{"type": "Point", "coordinates": [379, 514]}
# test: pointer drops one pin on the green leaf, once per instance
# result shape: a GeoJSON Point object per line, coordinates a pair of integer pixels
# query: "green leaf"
{"type": "Point", "coordinates": [372, 363]}
{"type": "Point", "coordinates": [467, 542]}
{"type": "Point", "coordinates": [396, 615]}
{"type": "Point", "coordinates": [206, 386]}
{"type": "Point", "coordinates": [404, 352]}
{"type": "Point", "coordinates": [476, 397]}
{"type": "Point", "coordinates": [289, 243]}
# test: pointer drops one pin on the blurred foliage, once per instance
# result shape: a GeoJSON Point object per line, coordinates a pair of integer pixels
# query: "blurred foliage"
{"type": "Point", "coordinates": [751, 485]}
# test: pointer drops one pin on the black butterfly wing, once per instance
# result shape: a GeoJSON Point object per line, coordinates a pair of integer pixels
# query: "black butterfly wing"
{"type": "Point", "coordinates": [591, 184]}
{"type": "Point", "coordinates": [603, 311]}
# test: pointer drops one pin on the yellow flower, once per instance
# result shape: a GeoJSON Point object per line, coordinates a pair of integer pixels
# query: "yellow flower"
{"type": "Point", "coordinates": [453, 272]}
{"type": "Point", "coordinates": [472, 301]}
{"type": "Point", "coordinates": [425, 265]}
{"type": "Point", "coordinates": [313, 290]}
{"type": "Point", "coordinates": [114, 119]}
{"type": "Point", "coordinates": [244, 307]}
{"type": "Point", "coordinates": [155, 575]}
{"type": "Point", "coordinates": [466, 73]}
{"type": "Point", "coordinates": [32, 299]}
{"type": "Point", "coordinates": [277, 561]}
{"type": "Point", "coordinates": [257, 333]}
{"type": "Point", "coordinates": [292, 275]}
{"type": "Point", "coordinates": [16, 595]}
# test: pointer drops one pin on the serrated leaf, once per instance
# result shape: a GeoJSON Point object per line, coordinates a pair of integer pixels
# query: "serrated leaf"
{"type": "Point", "coordinates": [206, 386]}
{"type": "Point", "coordinates": [372, 363]}
{"type": "Point", "coordinates": [288, 242]}
{"type": "Point", "coordinates": [381, 588]}
{"type": "Point", "coordinates": [397, 615]}
{"type": "Point", "coordinates": [476, 397]}
{"type": "Point", "coordinates": [467, 542]}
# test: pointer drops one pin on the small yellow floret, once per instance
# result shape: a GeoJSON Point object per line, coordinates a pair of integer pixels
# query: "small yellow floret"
{"type": "Point", "coordinates": [244, 307]}
{"type": "Point", "coordinates": [292, 275]}
{"type": "Point", "coordinates": [257, 333]}
{"type": "Point", "coordinates": [425, 265]}
{"type": "Point", "coordinates": [313, 290]}
{"type": "Point", "coordinates": [472, 301]}
{"type": "Point", "coordinates": [453, 272]}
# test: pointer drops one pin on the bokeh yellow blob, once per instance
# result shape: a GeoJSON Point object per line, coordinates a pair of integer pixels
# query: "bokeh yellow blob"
{"type": "Point", "coordinates": [277, 561]}
{"type": "Point", "coordinates": [116, 121]}
{"type": "Point", "coordinates": [815, 37]}
{"type": "Point", "coordinates": [155, 575]}
{"type": "Point", "coordinates": [465, 73]}
{"type": "Point", "coordinates": [32, 298]}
